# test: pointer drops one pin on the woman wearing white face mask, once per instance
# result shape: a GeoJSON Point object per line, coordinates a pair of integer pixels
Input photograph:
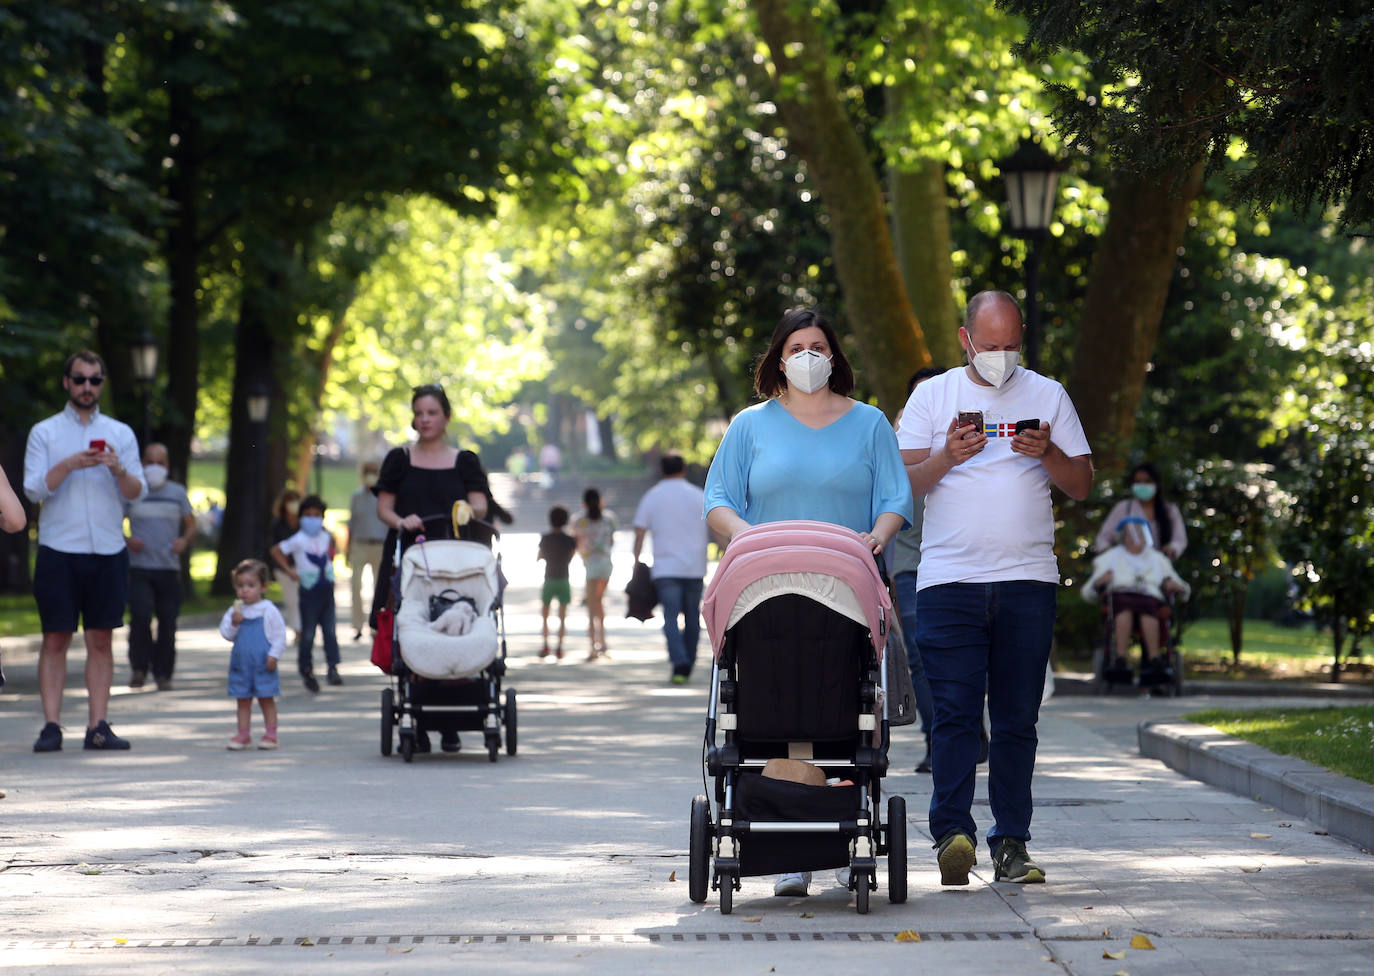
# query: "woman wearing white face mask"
{"type": "Point", "coordinates": [809, 451]}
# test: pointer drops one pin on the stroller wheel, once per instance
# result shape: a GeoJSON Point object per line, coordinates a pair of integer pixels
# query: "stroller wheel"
{"type": "Point", "coordinates": [511, 741]}
{"type": "Point", "coordinates": [896, 849]}
{"type": "Point", "coordinates": [727, 894]}
{"type": "Point", "coordinates": [388, 719]}
{"type": "Point", "coordinates": [408, 746]}
{"type": "Point", "coordinates": [861, 893]}
{"type": "Point", "coordinates": [493, 745]}
{"type": "Point", "coordinates": [699, 851]}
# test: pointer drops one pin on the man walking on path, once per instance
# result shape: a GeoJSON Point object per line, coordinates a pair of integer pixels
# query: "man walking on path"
{"type": "Point", "coordinates": [161, 528]}
{"type": "Point", "coordinates": [81, 467]}
{"type": "Point", "coordinates": [672, 511]}
{"type": "Point", "coordinates": [366, 533]}
{"type": "Point", "coordinates": [984, 444]}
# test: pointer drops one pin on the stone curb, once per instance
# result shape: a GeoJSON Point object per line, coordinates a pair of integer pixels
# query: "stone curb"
{"type": "Point", "coordinates": [1343, 806]}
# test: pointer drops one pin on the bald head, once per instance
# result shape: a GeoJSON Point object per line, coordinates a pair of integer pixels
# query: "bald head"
{"type": "Point", "coordinates": [992, 310]}
{"type": "Point", "coordinates": [155, 453]}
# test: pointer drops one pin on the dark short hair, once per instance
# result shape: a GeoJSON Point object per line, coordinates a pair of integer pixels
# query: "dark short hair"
{"type": "Point", "coordinates": [769, 379]}
{"type": "Point", "coordinates": [672, 464]}
{"type": "Point", "coordinates": [924, 373]}
{"type": "Point", "coordinates": [312, 501]}
{"type": "Point", "coordinates": [558, 516]}
{"type": "Point", "coordinates": [87, 356]}
{"type": "Point", "coordinates": [591, 498]}
{"type": "Point", "coordinates": [255, 567]}
{"type": "Point", "coordinates": [431, 390]}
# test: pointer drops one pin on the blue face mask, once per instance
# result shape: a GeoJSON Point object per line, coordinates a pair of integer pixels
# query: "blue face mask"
{"type": "Point", "coordinates": [312, 524]}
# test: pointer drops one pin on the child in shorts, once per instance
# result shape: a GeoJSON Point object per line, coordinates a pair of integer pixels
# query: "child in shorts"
{"type": "Point", "coordinates": [556, 548]}
{"type": "Point", "coordinates": [256, 627]}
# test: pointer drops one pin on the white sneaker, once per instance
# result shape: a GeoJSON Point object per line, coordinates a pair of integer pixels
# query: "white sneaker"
{"type": "Point", "coordinates": [792, 884]}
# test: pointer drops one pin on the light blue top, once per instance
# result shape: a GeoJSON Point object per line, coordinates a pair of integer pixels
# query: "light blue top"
{"type": "Point", "coordinates": [771, 467]}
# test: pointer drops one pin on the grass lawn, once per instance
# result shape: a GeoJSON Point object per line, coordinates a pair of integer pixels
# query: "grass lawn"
{"type": "Point", "coordinates": [206, 481]}
{"type": "Point", "coordinates": [1268, 650]}
{"type": "Point", "coordinates": [1340, 738]}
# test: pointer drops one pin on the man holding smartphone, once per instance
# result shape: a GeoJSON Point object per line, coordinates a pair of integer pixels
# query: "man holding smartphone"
{"type": "Point", "coordinates": [81, 467]}
{"type": "Point", "coordinates": [984, 444]}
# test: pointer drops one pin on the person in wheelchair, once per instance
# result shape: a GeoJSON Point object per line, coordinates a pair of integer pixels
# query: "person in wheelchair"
{"type": "Point", "coordinates": [1137, 581]}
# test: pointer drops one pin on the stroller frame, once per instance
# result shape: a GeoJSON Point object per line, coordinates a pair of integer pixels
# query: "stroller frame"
{"type": "Point", "coordinates": [461, 705]}
{"type": "Point", "coordinates": [852, 832]}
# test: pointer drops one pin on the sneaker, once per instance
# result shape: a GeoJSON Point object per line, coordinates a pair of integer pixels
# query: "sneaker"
{"type": "Point", "coordinates": [311, 685]}
{"type": "Point", "coordinates": [421, 742]}
{"type": "Point", "coordinates": [357, 636]}
{"type": "Point", "coordinates": [679, 679]}
{"type": "Point", "coordinates": [545, 652]}
{"type": "Point", "coordinates": [163, 684]}
{"type": "Point", "coordinates": [956, 855]}
{"type": "Point", "coordinates": [240, 741]}
{"type": "Point", "coordinates": [103, 737]}
{"type": "Point", "coordinates": [924, 765]}
{"type": "Point", "coordinates": [1011, 863]}
{"type": "Point", "coordinates": [138, 679]}
{"type": "Point", "coordinates": [558, 652]}
{"type": "Point", "coordinates": [50, 739]}
{"type": "Point", "coordinates": [333, 677]}
{"type": "Point", "coordinates": [268, 741]}
{"type": "Point", "coordinates": [450, 742]}
{"type": "Point", "coordinates": [792, 884]}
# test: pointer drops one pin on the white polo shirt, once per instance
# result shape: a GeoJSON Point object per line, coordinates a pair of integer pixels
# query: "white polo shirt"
{"type": "Point", "coordinates": [86, 512]}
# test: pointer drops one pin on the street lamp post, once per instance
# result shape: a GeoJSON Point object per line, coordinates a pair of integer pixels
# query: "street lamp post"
{"type": "Point", "coordinates": [143, 353]}
{"type": "Point", "coordinates": [259, 402]}
{"type": "Point", "coordinates": [1032, 178]}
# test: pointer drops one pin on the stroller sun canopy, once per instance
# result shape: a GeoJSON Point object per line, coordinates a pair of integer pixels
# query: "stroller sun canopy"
{"type": "Point", "coordinates": [824, 562]}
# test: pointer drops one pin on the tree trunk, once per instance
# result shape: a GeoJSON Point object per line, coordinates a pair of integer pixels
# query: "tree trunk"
{"type": "Point", "coordinates": [310, 440]}
{"type": "Point", "coordinates": [1236, 622]}
{"type": "Point", "coordinates": [183, 247]}
{"type": "Point", "coordinates": [243, 533]}
{"type": "Point", "coordinates": [1130, 278]}
{"type": "Point", "coordinates": [891, 344]}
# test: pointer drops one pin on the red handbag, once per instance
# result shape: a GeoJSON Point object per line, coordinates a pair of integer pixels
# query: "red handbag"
{"type": "Point", "coordinates": [382, 641]}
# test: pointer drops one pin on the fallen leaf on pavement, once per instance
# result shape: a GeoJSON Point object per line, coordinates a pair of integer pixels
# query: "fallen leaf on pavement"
{"type": "Point", "coordinates": [306, 942]}
{"type": "Point", "coordinates": [752, 918]}
{"type": "Point", "coordinates": [1251, 870]}
{"type": "Point", "coordinates": [673, 876]}
{"type": "Point", "coordinates": [1141, 942]}
{"type": "Point", "coordinates": [1260, 836]}
{"type": "Point", "coordinates": [121, 941]}
{"type": "Point", "coordinates": [1114, 955]}
{"type": "Point", "coordinates": [1285, 825]}
{"type": "Point", "coordinates": [908, 935]}
{"type": "Point", "coordinates": [392, 951]}
{"type": "Point", "coordinates": [807, 915]}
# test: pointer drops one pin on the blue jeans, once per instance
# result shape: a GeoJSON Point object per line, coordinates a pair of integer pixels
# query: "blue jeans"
{"type": "Point", "coordinates": [680, 596]}
{"type": "Point", "coordinates": [975, 636]}
{"type": "Point", "coordinates": [317, 609]}
{"type": "Point", "coordinates": [905, 585]}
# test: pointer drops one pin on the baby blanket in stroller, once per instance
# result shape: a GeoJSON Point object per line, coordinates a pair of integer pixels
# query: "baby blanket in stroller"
{"type": "Point", "coordinates": [428, 569]}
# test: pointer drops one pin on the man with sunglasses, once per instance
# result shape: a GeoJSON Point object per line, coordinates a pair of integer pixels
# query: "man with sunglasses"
{"type": "Point", "coordinates": [81, 467]}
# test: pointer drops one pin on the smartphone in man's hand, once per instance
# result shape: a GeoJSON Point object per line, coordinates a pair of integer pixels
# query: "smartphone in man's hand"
{"type": "Point", "coordinates": [967, 417]}
{"type": "Point", "coordinates": [1027, 425]}
{"type": "Point", "coordinates": [97, 445]}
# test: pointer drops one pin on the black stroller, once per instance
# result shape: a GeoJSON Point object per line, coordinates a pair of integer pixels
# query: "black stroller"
{"type": "Point", "coordinates": [449, 681]}
{"type": "Point", "coordinates": [798, 620]}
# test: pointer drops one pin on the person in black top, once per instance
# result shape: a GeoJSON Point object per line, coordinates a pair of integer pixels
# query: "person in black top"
{"type": "Point", "coordinates": [416, 490]}
{"type": "Point", "coordinates": [556, 548]}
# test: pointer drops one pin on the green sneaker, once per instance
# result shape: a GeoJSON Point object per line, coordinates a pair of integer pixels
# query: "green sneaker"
{"type": "Point", "coordinates": [956, 855]}
{"type": "Point", "coordinates": [1012, 864]}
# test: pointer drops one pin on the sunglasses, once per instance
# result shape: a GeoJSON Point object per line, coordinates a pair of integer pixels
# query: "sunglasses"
{"type": "Point", "coordinates": [79, 380]}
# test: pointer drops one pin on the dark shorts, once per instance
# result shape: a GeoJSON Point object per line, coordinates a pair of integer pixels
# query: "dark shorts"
{"type": "Point", "coordinates": [73, 587]}
{"type": "Point", "coordinates": [556, 588]}
{"type": "Point", "coordinates": [1137, 603]}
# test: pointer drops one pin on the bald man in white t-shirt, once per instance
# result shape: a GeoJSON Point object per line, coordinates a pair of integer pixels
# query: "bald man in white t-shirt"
{"type": "Point", "coordinates": [983, 444]}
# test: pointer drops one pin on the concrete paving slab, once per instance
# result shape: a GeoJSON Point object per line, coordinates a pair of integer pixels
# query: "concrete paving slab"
{"type": "Point", "coordinates": [181, 856]}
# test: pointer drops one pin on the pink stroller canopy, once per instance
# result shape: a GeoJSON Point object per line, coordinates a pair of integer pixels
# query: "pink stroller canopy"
{"type": "Point", "coordinates": [825, 562]}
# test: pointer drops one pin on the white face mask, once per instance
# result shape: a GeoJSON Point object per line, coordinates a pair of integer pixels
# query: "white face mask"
{"type": "Point", "coordinates": [996, 366]}
{"type": "Point", "coordinates": [156, 475]}
{"type": "Point", "coordinates": [807, 370]}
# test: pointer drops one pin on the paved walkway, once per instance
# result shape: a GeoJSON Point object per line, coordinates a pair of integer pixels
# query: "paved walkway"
{"type": "Point", "coordinates": [571, 857]}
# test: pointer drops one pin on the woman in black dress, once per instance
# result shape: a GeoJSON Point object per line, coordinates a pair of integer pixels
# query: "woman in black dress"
{"type": "Point", "coordinates": [420, 481]}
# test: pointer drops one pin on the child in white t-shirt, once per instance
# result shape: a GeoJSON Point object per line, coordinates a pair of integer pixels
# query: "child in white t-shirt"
{"type": "Point", "coordinates": [311, 551]}
{"type": "Point", "coordinates": [259, 635]}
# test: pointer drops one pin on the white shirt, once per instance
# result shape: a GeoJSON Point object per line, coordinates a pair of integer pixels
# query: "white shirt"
{"type": "Point", "coordinates": [86, 512]}
{"type": "Point", "coordinates": [990, 519]}
{"type": "Point", "coordinates": [671, 511]}
{"type": "Point", "coordinates": [1133, 572]}
{"type": "Point", "coordinates": [273, 626]}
